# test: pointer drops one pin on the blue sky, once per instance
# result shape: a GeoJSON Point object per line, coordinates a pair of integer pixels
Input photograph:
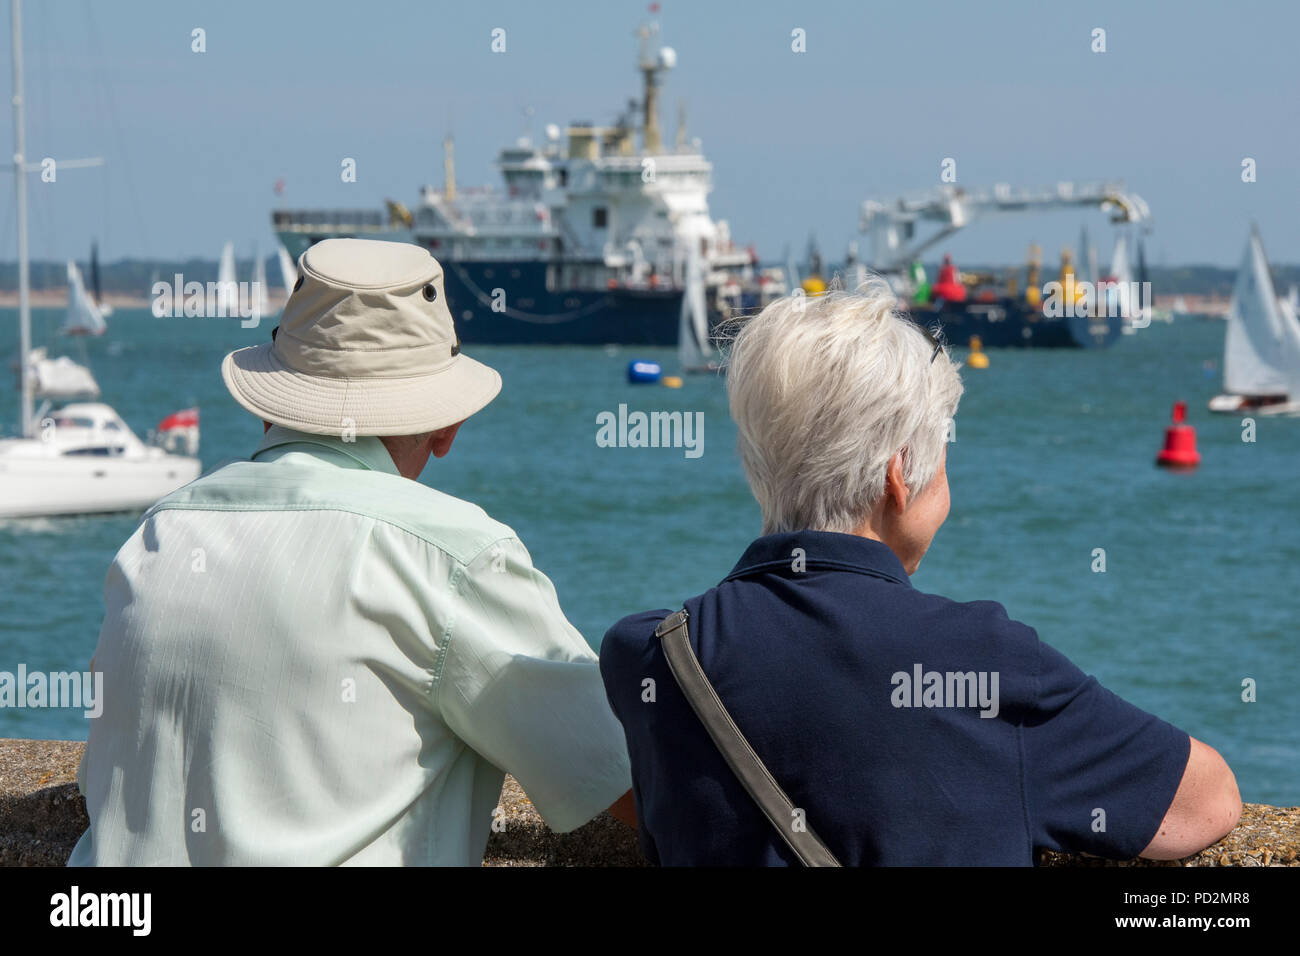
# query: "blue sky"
{"type": "Point", "coordinates": [884, 92]}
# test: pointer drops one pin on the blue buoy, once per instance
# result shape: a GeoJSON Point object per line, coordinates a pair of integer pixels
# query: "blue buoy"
{"type": "Point", "coordinates": [640, 372]}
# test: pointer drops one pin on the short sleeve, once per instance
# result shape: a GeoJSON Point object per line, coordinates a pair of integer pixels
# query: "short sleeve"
{"type": "Point", "coordinates": [521, 687]}
{"type": "Point", "coordinates": [1100, 773]}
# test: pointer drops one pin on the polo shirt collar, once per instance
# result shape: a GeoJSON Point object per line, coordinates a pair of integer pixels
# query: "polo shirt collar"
{"type": "Point", "coordinates": [821, 549]}
{"type": "Point", "coordinates": [366, 451]}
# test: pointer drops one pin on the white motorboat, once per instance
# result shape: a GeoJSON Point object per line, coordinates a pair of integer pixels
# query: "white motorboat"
{"type": "Point", "coordinates": [1261, 349]}
{"type": "Point", "coordinates": [86, 460]}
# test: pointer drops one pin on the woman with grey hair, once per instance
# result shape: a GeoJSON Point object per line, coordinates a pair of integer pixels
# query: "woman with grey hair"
{"type": "Point", "coordinates": [815, 707]}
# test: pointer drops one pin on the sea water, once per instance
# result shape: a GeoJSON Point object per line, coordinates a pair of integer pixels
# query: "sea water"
{"type": "Point", "coordinates": [1052, 467]}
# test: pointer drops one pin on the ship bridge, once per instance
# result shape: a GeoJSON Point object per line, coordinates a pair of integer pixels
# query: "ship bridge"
{"type": "Point", "coordinates": [598, 206]}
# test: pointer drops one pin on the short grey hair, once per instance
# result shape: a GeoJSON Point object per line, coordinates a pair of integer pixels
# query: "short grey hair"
{"type": "Point", "coordinates": [825, 390]}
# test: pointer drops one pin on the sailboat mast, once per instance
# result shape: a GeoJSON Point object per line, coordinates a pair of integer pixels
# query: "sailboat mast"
{"type": "Point", "coordinates": [20, 185]}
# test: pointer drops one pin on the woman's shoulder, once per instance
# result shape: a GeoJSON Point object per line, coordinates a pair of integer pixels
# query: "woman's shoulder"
{"type": "Point", "coordinates": [975, 620]}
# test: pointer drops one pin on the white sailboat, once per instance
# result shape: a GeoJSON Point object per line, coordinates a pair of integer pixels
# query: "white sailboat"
{"type": "Point", "coordinates": [1118, 287]}
{"type": "Point", "coordinates": [288, 271]}
{"type": "Point", "coordinates": [83, 458]}
{"type": "Point", "coordinates": [227, 282]}
{"type": "Point", "coordinates": [694, 350]}
{"type": "Point", "coordinates": [1261, 349]}
{"type": "Point", "coordinates": [261, 301]}
{"type": "Point", "coordinates": [84, 316]}
{"type": "Point", "coordinates": [60, 379]}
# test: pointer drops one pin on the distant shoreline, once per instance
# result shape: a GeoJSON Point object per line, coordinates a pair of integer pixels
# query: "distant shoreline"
{"type": "Point", "coordinates": [58, 299]}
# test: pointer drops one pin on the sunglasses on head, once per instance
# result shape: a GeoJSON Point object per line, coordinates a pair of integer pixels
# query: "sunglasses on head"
{"type": "Point", "coordinates": [932, 335]}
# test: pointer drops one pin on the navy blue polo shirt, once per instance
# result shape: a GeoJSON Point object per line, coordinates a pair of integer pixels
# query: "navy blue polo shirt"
{"type": "Point", "coordinates": [910, 729]}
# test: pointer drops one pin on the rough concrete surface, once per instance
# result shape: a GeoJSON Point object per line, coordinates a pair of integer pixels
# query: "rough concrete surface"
{"type": "Point", "coordinates": [42, 815]}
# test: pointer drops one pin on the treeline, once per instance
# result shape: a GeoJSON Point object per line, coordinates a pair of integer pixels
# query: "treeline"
{"type": "Point", "coordinates": [136, 276]}
{"type": "Point", "coordinates": [133, 276]}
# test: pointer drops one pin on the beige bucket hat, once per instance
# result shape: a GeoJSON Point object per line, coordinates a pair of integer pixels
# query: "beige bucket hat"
{"type": "Point", "coordinates": [366, 343]}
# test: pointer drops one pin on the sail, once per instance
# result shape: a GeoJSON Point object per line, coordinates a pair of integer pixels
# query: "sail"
{"type": "Point", "coordinates": [227, 287]}
{"type": "Point", "coordinates": [1292, 302]}
{"type": "Point", "coordinates": [1290, 309]}
{"type": "Point", "coordinates": [1088, 258]}
{"type": "Point", "coordinates": [792, 276]}
{"type": "Point", "coordinates": [96, 289]}
{"type": "Point", "coordinates": [1086, 265]}
{"type": "Point", "coordinates": [261, 301]}
{"type": "Point", "coordinates": [1119, 294]}
{"type": "Point", "coordinates": [288, 272]}
{"type": "Point", "coordinates": [94, 274]}
{"type": "Point", "coordinates": [693, 348]}
{"type": "Point", "coordinates": [1260, 352]}
{"type": "Point", "coordinates": [84, 317]}
{"type": "Point", "coordinates": [1141, 307]}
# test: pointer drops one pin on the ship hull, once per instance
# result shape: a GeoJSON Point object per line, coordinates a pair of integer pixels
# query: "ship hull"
{"type": "Point", "coordinates": [508, 302]}
{"type": "Point", "coordinates": [1010, 323]}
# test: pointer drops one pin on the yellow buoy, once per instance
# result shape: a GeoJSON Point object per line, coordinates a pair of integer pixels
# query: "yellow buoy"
{"type": "Point", "coordinates": [813, 285]}
{"type": "Point", "coordinates": [671, 381]}
{"type": "Point", "coordinates": [976, 359]}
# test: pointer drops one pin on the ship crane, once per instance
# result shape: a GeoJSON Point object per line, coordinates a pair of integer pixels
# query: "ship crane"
{"type": "Point", "coordinates": [893, 226]}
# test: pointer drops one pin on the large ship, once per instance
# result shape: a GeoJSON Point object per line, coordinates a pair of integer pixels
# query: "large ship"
{"type": "Point", "coordinates": [590, 242]}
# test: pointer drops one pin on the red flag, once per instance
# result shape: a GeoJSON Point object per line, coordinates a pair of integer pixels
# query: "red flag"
{"type": "Point", "coordinates": [188, 418]}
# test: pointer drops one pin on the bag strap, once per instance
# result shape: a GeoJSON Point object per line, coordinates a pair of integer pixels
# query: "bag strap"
{"type": "Point", "coordinates": [674, 636]}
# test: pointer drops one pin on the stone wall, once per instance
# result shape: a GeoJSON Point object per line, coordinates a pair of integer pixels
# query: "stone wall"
{"type": "Point", "coordinates": [42, 815]}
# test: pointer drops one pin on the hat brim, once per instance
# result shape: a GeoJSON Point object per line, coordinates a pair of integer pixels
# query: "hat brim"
{"type": "Point", "coordinates": [263, 385]}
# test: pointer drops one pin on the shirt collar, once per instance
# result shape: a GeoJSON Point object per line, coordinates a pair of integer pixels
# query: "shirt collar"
{"type": "Point", "coordinates": [820, 549]}
{"type": "Point", "coordinates": [365, 451]}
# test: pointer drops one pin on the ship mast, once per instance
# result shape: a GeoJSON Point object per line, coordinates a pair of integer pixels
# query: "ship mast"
{"type": "Point", "coordinates": [448, 169]}
{"type": "Point", "coordinates": [650, 67]}
{"type": "Point", "coordinates": [20, 186]}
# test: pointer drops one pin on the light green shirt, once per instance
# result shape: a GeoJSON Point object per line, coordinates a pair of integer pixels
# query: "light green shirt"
{"type": "Point", "coordinates": [309, 659]}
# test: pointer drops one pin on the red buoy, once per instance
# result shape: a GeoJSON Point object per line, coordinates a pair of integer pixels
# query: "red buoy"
{"type": "Point", "coordinates": [1180, 442]}
{"type": "Point", "coordinates": [949, 286]}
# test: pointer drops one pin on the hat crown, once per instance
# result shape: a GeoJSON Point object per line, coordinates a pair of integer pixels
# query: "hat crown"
{"type": "Point", "coordinates": [366, 308]}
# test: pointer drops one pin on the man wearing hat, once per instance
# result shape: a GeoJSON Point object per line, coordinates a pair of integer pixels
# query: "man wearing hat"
{"type": "Point", "coordinates": [309, 657]}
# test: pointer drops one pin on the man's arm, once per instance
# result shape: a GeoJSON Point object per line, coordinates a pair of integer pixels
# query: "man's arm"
{"type": "Point", "coordinates": [1205, 809]}
{"type": "Point", "coordinates": [520, 686]}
